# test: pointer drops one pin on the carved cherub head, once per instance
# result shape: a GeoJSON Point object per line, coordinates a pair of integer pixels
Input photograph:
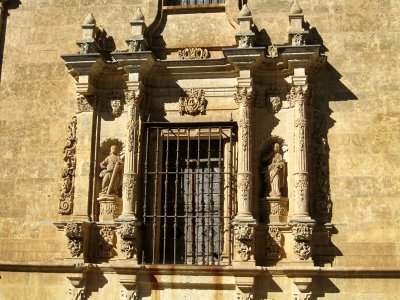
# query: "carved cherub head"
{"type": "Point", "coordinates": [277, 148]}
{"type": "Point", "coordinates": [114, 150]}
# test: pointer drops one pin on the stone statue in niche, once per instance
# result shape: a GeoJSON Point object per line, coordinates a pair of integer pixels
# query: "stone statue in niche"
{"type": "Point", "coordinates": [275, 172]}
{"type": "Point", "coordinates": [112, 173]}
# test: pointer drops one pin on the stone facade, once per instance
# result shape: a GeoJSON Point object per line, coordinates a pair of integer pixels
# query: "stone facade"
{"type": "Point", "coordinates": [317, 78]}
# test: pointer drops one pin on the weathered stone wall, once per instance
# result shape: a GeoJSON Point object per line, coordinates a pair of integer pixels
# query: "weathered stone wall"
{"type": "Point", "coordinates": [357, 91]}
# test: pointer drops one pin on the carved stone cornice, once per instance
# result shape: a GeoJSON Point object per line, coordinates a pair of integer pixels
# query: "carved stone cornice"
{"type": "Point", "coordinates": [68, 172]}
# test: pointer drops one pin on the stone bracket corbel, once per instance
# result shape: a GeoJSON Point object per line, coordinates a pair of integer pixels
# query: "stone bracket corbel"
{"type": "Point", "coordinates": [244, 287]}
{"type": "Point", "coordinates": [78, 281]}
{"type": "Point", "coordinates": [136, 64]}
{"type": "Point", "coordinates": [84, 68]}
{"type": "Point", "coordinates": [244, 59]}
{"type": "Point", "coordinates": [78, 236]}
{"type": "Point", "coordinates": [130, 290]}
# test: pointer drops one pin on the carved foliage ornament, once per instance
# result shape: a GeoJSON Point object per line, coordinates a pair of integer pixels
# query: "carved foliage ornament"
{"type": "Point", "coordinates": [243, 233]}
{"type": "Point", "coordinates": [134, 100]}
{"type": "Point", "coordinates": [193, 53]}
{"type": "Point", "coordinates": [76, 293]}
{"type": "Point", "coordinates": [274, 243]}
{"type": "Point", "coordinates": [302, 235]}
{"type": "Point", "coordinates": [129, 186]}
{"type": "Point", "coordinates": [302, 249]}
{"type": "Point", "coordinates": [298, 93]}
{"type": "Point", "coordinates": [129, 295]}
{"type": "Point", "coordinates": [275, 104]}
{"type": "Point", "coordinates": [68, 172]}
{"type": "Point", "coordinates": [245, 41]}
{"type": "Point", "coordinates": [193, 104]}
{"type": "Point", "coordinates": [73, 232]}
{"type": "Point", "coordinates": [128, 233]}
{"type": "Point", "coordinates": [83, 103]}
{"type": "Point", "coordinates": [107, 241]}
{"type": "Point", "coordinates": [244, 98]}
{"type": "Point", "coordinates": [272, 51]}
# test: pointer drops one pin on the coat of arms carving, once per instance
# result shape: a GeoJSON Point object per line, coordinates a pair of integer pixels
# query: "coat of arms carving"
{"type": "Point", "coordinates": [193, 104]}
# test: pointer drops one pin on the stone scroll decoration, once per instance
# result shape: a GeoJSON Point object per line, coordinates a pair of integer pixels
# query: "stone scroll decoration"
{"type": "Point", "coordinates": [302, 233]}
{"type": "Point", "coordinates": [68, 172]}
{"type": "Point", "coordinates": [274, 243]}
{"type": "Point", "coordinates": [320, 165]}
{"type": "Point", "coordinates": [194, 103]}
{"type": "Point", "coordinates": [73, 232]}
{"type": "Point", "coordinates": [243, 233]}
{"type": "Point", "coordinates": [76, 293]}
{"type": "Point", "coordinates": [128, 233]}
{"type": "Point", "coordinates": [193, 53]}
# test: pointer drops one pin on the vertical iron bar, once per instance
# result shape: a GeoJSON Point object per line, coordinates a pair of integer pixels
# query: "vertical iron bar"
{"type": "Point", "coordinates": [145, 188]}
{"type": "Point", "coordinates": [220, 194]}
{"type": "Point", "coordinates": [166, 195]}
{"type": "Point", "coordinates": [155, 194]}
{"type": "Point", "coordinates": [230, 198]}
{"type": "Point", "coordinates": [198, 214]}
{"type": "Point", "coordinates": [210, 195]}
{"type": "Point", "coordinates": [176, 193]}
{"type": "Point", "coordinates": [187, 194]}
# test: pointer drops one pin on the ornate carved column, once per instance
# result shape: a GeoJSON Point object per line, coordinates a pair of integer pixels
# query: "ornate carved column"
{"type": "Point", "coordinates": [301, 220]}
{"type": "Point", "coordinates": [133, 100]}
{"type": "Point", "coordinates": [243, 96]}
{"type": "Point", "coordinates": [299, 95]}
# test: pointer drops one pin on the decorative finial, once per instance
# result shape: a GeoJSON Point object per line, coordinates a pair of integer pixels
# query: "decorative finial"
{"type": "Point", "coordinates": [295, 9]}
{"type": "Point", "coordinates": [89, 20]}
{"type": "Point", "coordinates": [138, 16]}
{"type": "Point", "coordinates": [245, 11]}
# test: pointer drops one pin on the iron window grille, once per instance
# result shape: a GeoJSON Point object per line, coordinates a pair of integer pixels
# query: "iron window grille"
{"type": "Point", "coordinates": [187, 206]}
{"type": "Point", "coordinates": [191, 2]}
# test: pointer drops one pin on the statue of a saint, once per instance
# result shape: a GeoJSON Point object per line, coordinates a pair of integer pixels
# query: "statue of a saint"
{"type": "Point", "coordinates": [112, 173]}
{"type": "Point", "coordinates": [275, 172]}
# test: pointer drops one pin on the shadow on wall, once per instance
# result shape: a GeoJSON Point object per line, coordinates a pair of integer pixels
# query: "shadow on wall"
{"type": "Point", "coordinates": [12, 4]}
{"type": "Point", "coordinates": [326, 86]}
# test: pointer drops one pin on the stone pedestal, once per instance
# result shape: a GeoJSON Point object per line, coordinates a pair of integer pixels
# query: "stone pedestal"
{"type": "Point", "coordinates": [274, 209]}
{"type": "Point", "coordinates": [110, 207]}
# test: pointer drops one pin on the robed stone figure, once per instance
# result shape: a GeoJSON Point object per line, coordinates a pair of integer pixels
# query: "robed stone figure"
{"type": "Point", "coordinates": [112, 173]}
{"type": "Point", "coordinates": [275, 172]}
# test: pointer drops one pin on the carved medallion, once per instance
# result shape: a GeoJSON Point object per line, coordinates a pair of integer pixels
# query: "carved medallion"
{"type": "Point", "coordinates": [193, 104]}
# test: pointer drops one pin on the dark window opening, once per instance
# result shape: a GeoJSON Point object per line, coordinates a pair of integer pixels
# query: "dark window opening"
{"type": "Point", "coordinates": [187, 201]}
